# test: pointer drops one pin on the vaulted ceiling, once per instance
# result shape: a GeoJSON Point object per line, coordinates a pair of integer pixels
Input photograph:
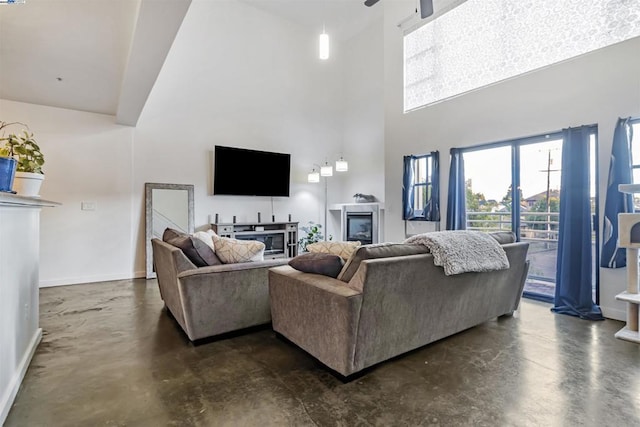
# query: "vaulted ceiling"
{"type": "Point", "coordinates": [104, 56]}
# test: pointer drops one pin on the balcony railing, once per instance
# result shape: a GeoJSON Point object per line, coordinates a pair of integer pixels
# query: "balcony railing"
{"type": "Point", "coordinates": [540, 229]}
{"type": "Point", "coordinates": [534, 226]}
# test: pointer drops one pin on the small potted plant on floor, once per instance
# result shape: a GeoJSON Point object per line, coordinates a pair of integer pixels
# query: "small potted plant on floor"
{"type": "Point", "coordinates": [25, 150]}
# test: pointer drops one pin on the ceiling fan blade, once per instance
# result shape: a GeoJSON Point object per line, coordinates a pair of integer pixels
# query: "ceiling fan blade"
{"type": "Point", "coordinates": [370, 2]}
{"type": "Point", "coordinates": [426, 8]}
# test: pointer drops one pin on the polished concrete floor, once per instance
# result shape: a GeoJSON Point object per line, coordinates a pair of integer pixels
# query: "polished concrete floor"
{"type": "Point", "coordinates": [111, 356]}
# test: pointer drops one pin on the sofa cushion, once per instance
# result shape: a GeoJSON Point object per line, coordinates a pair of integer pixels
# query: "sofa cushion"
{"type": "Point", "coordinates": [196, 250]}
{"type": "Point", "coordinates": [377, 250]}
{"type": "Point", "coordinates": [318, 263]}
{"type": "Point", "coordinates": [342, 249]}
{"type": "Point", "coordinates": [232, 251]}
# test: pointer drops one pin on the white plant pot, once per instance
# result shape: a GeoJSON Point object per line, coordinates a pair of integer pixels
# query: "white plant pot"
{"type": "Point", "coordinates": [28, 184]}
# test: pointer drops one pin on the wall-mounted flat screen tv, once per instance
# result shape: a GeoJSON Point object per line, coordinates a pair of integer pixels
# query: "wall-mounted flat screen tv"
{"type": "Point", "coordinates": [243, 172]}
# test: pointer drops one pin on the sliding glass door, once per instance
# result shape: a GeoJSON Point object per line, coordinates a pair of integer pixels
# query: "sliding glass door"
{"type": "Point", "coordinates": [515, 185]}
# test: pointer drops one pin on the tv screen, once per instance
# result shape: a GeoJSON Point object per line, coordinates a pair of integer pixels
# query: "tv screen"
{"type": "Point", "coordinates": [243, 172]}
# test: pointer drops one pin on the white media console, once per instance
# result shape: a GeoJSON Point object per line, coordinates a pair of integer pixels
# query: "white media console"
{"type": "Point", "coordinates": [280, 238]}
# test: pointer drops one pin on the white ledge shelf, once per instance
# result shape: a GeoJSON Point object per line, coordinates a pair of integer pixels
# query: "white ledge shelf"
{"type": "Point", "coordinates": [628, 335]}
{"type": "Point", "coordinates": [629, 188]}
{"type": "Point", "coordinates": [628, 297]}
{"type": "Point", "coordinates": [15, 200]}
{"type": "Point", "coordinates": [339, 206]}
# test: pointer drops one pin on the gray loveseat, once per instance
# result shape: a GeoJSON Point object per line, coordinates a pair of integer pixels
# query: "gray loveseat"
{"type": "Point", "coordinates": [212, 300]}
{"type": "Point", "coordinates": [388, 300]}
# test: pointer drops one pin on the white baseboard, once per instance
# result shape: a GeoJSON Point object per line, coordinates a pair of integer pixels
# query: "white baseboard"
{"type": "Point", "coordinates": [614, 313]}
{"type": "Point", "coordinates": [91, 279]}
{"type": "Point", "coordinates": [9, 395]}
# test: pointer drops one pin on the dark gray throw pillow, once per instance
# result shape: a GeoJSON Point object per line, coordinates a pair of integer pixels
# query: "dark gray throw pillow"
{"type": "Point", "coordinates": [318, 263]}
{"type": "Point", "coordinates": [171, 233]}
{"type": "Point", "coordinates": [198, 252]}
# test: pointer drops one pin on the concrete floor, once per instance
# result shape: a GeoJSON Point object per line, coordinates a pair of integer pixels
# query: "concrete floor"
{"type": "Point", "coordinates": [112, 356]}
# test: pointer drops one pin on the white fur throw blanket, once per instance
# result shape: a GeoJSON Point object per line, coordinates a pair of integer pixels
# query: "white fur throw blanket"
{"type": "Point", "coordinates": [461, 251]}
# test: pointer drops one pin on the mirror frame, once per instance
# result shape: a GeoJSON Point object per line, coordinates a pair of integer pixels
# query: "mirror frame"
{"type": "Point", "coordinates": [148, 188]}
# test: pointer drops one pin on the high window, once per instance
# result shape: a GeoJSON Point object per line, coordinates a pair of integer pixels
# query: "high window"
{"type": "Point", "coordinates": [482, 42]}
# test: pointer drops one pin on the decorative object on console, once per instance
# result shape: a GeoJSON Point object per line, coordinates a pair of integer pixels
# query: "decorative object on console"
{"type": "Point", "coordinates": [29, 160]}
{"type": "Point", "coordinates": [364, 198]}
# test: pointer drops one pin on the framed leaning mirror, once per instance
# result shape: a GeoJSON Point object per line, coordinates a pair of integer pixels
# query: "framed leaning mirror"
{"type": "Point", "coordinates": [167, 206]}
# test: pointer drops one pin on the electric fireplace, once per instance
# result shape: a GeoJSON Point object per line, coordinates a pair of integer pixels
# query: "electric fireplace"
{"type": "Point", "coordinates": [360, 223]}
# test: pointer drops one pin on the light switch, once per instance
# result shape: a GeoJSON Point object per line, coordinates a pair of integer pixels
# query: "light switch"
{"type": "Point", "coordinates": [88, 206]}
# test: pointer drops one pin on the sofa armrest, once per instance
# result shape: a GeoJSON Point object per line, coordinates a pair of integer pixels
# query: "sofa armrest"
{"type": "Point", "coordinates": [320, 314]}
{"type": "Point", "coordinates": [224, 268]}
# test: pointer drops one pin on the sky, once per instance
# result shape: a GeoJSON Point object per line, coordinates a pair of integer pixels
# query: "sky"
{"type": "Point", "coordinates": [490, 170]}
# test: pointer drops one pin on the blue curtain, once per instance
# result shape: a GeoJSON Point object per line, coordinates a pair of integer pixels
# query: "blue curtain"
{"type": "Point", "coordinates": [456, 200]}
{"type": "Point", "coordinates": [574, 279]}
{"type": "Point", "coordinates": [617, 202]}
{"type": "Point", "coordinates": [431, 210]}
{"type": "Point", "coordinates": [407, 187]}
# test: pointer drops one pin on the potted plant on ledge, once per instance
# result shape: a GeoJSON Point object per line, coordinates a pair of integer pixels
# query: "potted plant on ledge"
{"type": "Point", "coordinates": [26, 152]}
{"type": "Point", "coordinates": [7, 167]}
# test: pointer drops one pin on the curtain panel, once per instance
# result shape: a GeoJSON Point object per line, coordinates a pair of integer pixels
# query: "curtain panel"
{"type": "Point", "coordinates": [620, 172]}
{"type": "Point", "coordinates": [574, 279]}
{"type": "Point", "coordinates": [457, 197]}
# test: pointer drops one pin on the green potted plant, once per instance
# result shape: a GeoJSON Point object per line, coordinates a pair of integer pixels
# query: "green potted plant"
{"type": "Point", "coordinates": [24, 149]}
{"type": "Point", "coordinates": [311, 233]}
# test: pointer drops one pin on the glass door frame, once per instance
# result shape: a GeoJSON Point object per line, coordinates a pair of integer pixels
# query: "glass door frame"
{"type": "Point", "coordinates": [515, 145]}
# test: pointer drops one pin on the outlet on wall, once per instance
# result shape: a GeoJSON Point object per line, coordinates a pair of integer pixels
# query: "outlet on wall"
{"type": "Point", "coordinates": [88, 206]}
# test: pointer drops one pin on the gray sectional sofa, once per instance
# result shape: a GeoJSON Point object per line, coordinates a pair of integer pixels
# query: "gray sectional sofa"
{"type": "Point", "coordinates": [388, 299]}
{"type": "Point", "coordinates": [212, 300]}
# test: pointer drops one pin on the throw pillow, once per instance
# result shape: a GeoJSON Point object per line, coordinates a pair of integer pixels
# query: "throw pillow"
{"type": "Point", "coordinates": [232, 251]}
{"type": "Point", "coordinates": [171, 233]}
{"type": "Point", "coordinates": [206, 237]}
{"type": "Point", "coordinates": [342, 249]}
{"type": "Point", "coordinates": [196, 250]}
{"type": "Point", "coordinates": [318, 263]}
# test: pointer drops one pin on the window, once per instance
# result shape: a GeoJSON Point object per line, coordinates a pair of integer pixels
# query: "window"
{"type": "Point", "coordinates": [420, 196]}
{"type": "Point", "coordinates": [506, 38]}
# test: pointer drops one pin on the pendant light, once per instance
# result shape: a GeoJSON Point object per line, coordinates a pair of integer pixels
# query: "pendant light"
{"type": "Point", "coordinates": [324, 45]}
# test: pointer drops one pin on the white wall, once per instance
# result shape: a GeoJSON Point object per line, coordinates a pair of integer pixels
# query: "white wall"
{"type": "Point", "coordinates": [595, 88]}
{"type": "Point", "coordinates": [235, 76]}
{"type": "Point", "coordinates": [364, 112]}
{"type": "Point", "coordinates": [87, 158]}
